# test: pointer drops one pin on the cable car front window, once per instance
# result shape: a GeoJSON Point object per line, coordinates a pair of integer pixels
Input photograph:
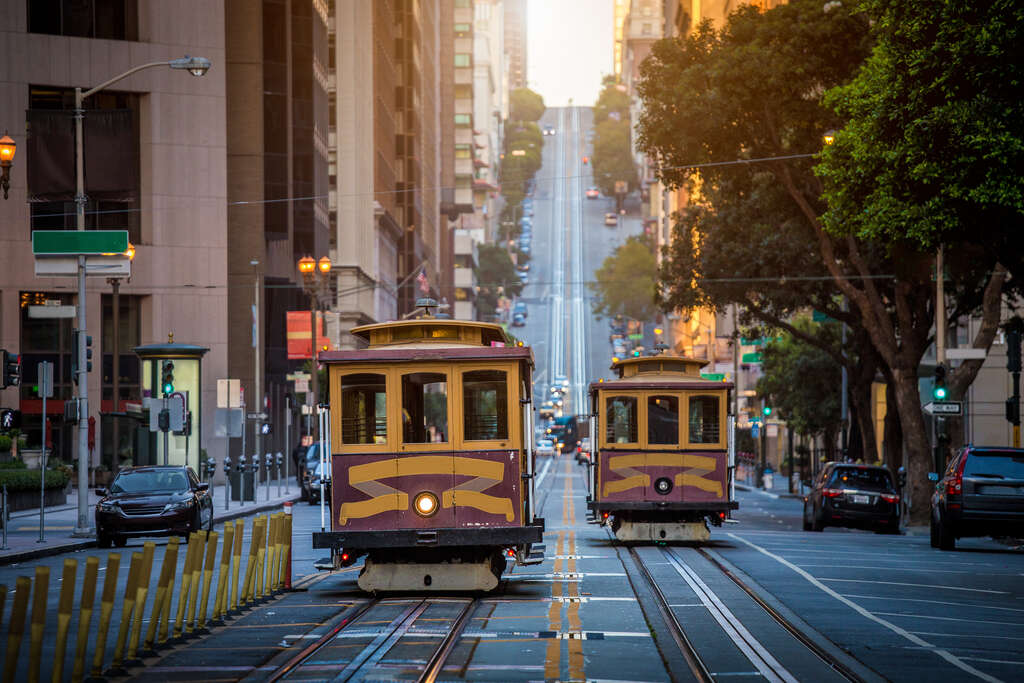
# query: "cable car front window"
{"type": "Point", "coordinates": [704, 427]}
{"type": "Point", "coordinates": [620, 419]}
{"type": "Point", "coordinates": [364, 409]}
{"type": "Point", "coordinates": [662, 420]}
{"type": "Point", "coordinates": [425, 407]}
{"type": "Point", "coordinates": [485, 405]}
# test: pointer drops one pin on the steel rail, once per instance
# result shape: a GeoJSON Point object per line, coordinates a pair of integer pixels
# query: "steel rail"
{"type": "Point", "coordinates": [838, 666]}
{"type": "Point", "coordinates": [689, 652]}
{"type": "Point", "coordinates": [440, 656]}
{"type": "Point", "coordinates": [308, 651]}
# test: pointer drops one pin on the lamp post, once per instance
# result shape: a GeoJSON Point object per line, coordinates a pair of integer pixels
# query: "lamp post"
{"type": "Point", "coordinates": [7, 150]}
{"type": "Point", "coordinates": [314, 277]}
{"type": "Point", "coordinates": [115, 283]}
{"type": "Point", "coordinates": [197, 66]}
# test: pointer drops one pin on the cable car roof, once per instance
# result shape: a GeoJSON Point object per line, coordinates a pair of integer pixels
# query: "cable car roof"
{"type": "Point", "coordinates": [660, 372]}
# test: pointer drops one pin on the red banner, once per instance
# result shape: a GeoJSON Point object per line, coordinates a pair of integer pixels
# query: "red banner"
{"type": "Point", "coordinates": [297, 326]}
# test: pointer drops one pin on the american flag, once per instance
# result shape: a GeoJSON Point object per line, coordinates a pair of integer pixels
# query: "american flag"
{"type": "Point", "coordinates": [423, 282]}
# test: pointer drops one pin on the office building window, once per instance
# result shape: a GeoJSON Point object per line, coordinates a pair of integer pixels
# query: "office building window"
{"type": "Point", "coordinates": [106, 19]}
{"type": "Point", "coordinates": [462, 59]}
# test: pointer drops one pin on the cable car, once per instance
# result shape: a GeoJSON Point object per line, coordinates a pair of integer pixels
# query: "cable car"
{"type": "Point", "coordinates": [663, 464]}
{"type": "Point", "coordinates": [430, 442]}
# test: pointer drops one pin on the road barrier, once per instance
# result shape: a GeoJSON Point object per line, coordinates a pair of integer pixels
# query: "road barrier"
{"type": "Point", "coordinates": [64, 607]}
{"type": "Point", "coordinates": [267, 573]}
{"type": "Point", "coordinates": [39, 595]}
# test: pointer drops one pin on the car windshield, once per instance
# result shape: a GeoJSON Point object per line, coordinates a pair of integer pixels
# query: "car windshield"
{"type": "Point", "coordinates": [150, 481]}
{"type": "Point", "coordinates": [313, 455]}
{"type": "Point", "coordinates": [1005, 464]}
{"type": "Point", "coordinates": [861, 478]}
{"type": "Point", "coordinates": [544, 443]}
{"type": "Point", "coordinates": [316, 470]}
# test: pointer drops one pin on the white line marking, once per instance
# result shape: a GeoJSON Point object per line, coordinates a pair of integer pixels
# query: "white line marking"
{"type": "Point", "coordinates": [933, 602]}
{"type": "Point", "coordinates": [888, 569]}
{"type": "Point", "coordinates": [963, 635]}
{"type": "Point", "coordinates": [969, 621]}
{"type": "Point", "coordinates": [945, 654]}
{"type": "Point", "coordinates": [918, 585]}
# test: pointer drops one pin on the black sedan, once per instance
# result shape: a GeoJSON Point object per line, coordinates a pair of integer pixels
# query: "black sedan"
{"type": "Point", "coordinates": [152, 501]}
{"type": "Point", "coordinates": [980, 494]}
{"type": "Point", "coordinates": [856, 496]}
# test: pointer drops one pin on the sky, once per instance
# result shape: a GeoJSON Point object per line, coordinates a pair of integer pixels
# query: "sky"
{"type": "Point", "coordinates": [569, 49]}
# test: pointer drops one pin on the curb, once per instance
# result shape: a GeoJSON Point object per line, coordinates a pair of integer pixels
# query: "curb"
{"type": "Point", "coordinates": [74, 546]}
{"type": "Point", "coordinates": [745, 487]}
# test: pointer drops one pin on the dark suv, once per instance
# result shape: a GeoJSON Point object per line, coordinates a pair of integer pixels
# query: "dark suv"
{"type": "Point", "coordinates": [152, 501]}
{"type": "Point", "coordinates": [858, 496]}
{"type": "Point", "coordinates": [981, 494]}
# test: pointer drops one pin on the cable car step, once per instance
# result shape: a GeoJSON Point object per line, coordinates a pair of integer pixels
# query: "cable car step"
{"type": "Point", "coordinates": [534, 555]}
{"type": "Point", "coordinates": [324, 564]}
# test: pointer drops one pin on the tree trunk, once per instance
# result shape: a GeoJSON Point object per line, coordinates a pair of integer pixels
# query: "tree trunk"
{"type": "Point", "coordinates": [860, 400]}
{"type": "Point", "coordinates": [915, 446]}
{"type": "Point", "coordinates": [893, 446]}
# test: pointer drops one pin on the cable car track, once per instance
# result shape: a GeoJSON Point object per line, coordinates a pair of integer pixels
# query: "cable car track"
{"type": "Point", "coordinates": [385, 624]}
{"type": "Point", "coordinates": [753, 649]}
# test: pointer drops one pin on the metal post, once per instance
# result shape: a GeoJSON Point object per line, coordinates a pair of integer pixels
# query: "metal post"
{"type": "Point", "coordinates": [323, 470]}
{"type": "Point", "coordinates": [280, 457]}
{"type": "Point", "coordinates": [241, 479]}
{"type": "Point", "coordinates": [844, 410]}
{"type": "Point", "coordinates": [245, 420]}
{"type": "Point", "coordinates": [5, 519]}
{"type": "Point", "coordinates": [167, 434]}
{"type": "Point", "coordinates": [528, 441]}
{"type": "Point", "coordinates": [735, 362]}
{"type": "Point", "coordinates": [43, 383]}
{"type": "Point", "coordinates": [115, 282]}
{"type": "Point", "coordinates": [287, 444]}
{"type": "Point", "coordinates": [257, 379]}
{"type": "Point", "coordinates": [82, 528]}
{"type": "Point", "coordinates": [227, 482]}
{"type": "Point", "coordinates": [314, 375]}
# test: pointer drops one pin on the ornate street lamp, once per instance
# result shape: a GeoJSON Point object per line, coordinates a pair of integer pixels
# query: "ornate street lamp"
{"type": "Point", "coordinates": [115, 283]}
{"type": "Point", "coordinates": [7, 149]}
{"type": "Point", "coordinates": [315, 274]}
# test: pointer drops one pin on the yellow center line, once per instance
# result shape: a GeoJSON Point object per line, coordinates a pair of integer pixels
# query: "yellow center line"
{"type": "Point", "coordinates": [553, 658]}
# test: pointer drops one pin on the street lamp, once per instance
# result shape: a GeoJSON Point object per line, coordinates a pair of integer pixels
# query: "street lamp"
{"type": "Point", "coordinates": [7, 149]}
{"type": "Point", "coordinates": [115, 283]}
{"type": "Point", "coordinates": [197, 66]}
{"type": "Point", "coordinates": [314, 276]}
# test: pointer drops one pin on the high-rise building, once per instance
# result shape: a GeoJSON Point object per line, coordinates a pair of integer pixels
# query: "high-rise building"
{"type": "Point", "coordinates": [621, 9]}
{"type": "Point", "coordinates": [515, 42]}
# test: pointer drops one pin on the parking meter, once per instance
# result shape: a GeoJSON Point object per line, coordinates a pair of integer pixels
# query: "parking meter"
{"type": "Point", "coordinates": [227, 481]}
{"type": "Point", "coordinates": [901, 477]}
{"type": "Point", "coordinates": [211, 468]}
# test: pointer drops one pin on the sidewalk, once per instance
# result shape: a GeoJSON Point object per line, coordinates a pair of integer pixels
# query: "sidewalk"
{"type": "Point", "coordinates": [779, 488]}
{"type": "Point", "coordinates": [60, 520]}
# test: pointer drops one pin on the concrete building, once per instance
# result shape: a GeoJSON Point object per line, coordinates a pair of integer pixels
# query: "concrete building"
{"type": "Point", "coordinates": [620, 9]}
{"type": "Point", "coordinates": [515, 42]}
{"type": "Point", "coordinates": [177, 216]}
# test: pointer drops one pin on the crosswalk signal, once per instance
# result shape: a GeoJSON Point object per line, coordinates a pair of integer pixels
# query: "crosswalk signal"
{"type": "Point", "coordinates": [167, 377]}
{"type": "Point", "coordinates": [939, 389]}
{"type": "Point", "coordinates": [11, 370]}
{"type": "Point", "coordinates": [76, 337]}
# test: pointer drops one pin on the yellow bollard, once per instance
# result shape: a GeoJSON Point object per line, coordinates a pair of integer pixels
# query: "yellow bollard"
{"type": "Point", "coordinates": [186, 583]}
{"type": "Point", "coordinates": [3, 600]}
{"type": "Point", "coordinates": [158, 598]}
{"type": "Point", "coordinates": [261, 560]}
{"type": "Point", "coordinates": [224, 578]}
{"type": "Point", "coordinates": [127, 609]}
{"type": "Point", "coordinates": [252, 589]}
{"type": "Point", "coordinates": [35, 657]}
{"type": "Point", "coordinates": [211, 559]}
{"type": "Point", "coordinates": [141, 593]}
{"type": "Point", "coordinates": [287, 560]}
{"type": "Point", "coordinates": [64, 607]}
{"type": "Point", "coordinates": [92, 566]}
{"type": "Point", "coordinates": [278, 547]}
{"type": "Point", "coordinates": [106, 608]}
{"type": "Point", "coordinates": [237, 562]}
{"type": "Point", "coordinates": [197, 572]}
{"type": "Point", "coordinates": [165, 607]}
{"type": "Point", "coordinates": [16, 625]}
{"type": "Point", "coordinates": [250, 567]}
{"type": "Point", "coordinates": [272, 548]}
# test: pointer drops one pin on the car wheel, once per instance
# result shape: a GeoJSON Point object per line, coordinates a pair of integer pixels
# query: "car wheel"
{"type": "Point", "coordinates": [103, 540]}
{"type": "Point", "coordinates": [819, 523]}
{"type": "Point", "coordinates": [120, 541]}
{"type": "Point", "coordinates": [807, 522]}
{"type": "Point", "coordinates": [934, 531]}
{"type": "Point", "coordinates": [945, 534]}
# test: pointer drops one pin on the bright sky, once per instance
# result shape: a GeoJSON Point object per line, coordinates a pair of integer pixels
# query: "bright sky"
{"type": "Point", "coordinates": [569, 49]}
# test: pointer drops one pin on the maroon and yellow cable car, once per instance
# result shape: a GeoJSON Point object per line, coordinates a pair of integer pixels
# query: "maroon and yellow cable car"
{"type": "Point", "coordinates": [431, 479]}
{"type": "Point", "coordinates": [663, 467]}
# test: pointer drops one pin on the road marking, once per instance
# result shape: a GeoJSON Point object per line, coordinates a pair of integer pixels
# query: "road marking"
{"type": "Point", "coordinates": [964, 635]}
{"type": "Point", "coordinates": [969, 621]}
{"type": "Point", "coordinates": [945, 654]}
{"type": "Point", "coordinates": [888, 569]}
{"type": "Point", "coordinates": [916, 585]}
{"type": "Point", "coordinates": [933, 602]}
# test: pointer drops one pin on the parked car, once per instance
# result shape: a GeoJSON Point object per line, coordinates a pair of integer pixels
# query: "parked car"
{"type": "Point", "coordinates": [523, 267]}
{"type": "Point", "coordinates": [981, 493]}
{"type": "Point", "coordinates": [152, 501]}
{"type": "Point", "coordinates": [611, 219]}
{"type": "Point", "coordinates": [315, 485]}
{"type": "Point", "coordinates": [520, 307]}
{"type": "Point", "coordinates": [545, 447]}
{"type": "Point", "coordinates": [518, 320]}
{"type": "Point", "coordinates": [524, 277]}
{"type": "Point", "coordinates": [856, 496]}
{"type": "Point", "coordinates": [307, 463]}
{"type": "Point", "coordinates": [593, 193]}
{"type": "Point", "coordinates": [549, 130]}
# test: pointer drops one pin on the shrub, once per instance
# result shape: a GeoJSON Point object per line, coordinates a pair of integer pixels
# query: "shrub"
{"type": "Point", "coordinates": [13, 465]}
{"type": "Point", "coordinates": [28, 480]}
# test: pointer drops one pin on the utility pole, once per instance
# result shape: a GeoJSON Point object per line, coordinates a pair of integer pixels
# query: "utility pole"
{"type": "Point", "coordinates": [941, 438]}
{"type": "Point", "coordinates": [257, 384]}
{"type": "Point", "coordinates": [1013, 364]}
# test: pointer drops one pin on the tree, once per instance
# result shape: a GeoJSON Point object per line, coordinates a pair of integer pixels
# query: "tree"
{"type": "Point", "coordinates": [810, 408]}
{"type": "Point", "coordinates": [612, 101]}
{"type": "Point", "coordinates": [525, 105]}
{"type": "Point", "coordinates": [754, 91]}
{"type": "Point", "coordinates": [625, 283]}
{"type": "Point", "coordinates": [612, 157]}
{"type": "Point", "coordinates": [496, 276]}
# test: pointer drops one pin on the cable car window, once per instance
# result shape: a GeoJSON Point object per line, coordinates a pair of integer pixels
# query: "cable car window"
{"type": "Point", "coordinates": [704, 426]}
{"type": "Point", "coordinates": [425, 407]}
{"type": "Point", "coordinates": [485, 405]}
{"type": "Point", "coordinates": [364, 409]}
{"type": "Point", "coordinates": [663, 419]}
{"type": "Point", "coordinates": [620, 419]}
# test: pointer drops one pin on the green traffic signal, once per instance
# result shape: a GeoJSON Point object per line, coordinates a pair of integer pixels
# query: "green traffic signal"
{"type": "Point", "coordinates": [766, 411]}
{"type": "Point", "coordinates": [939, 388]}
{"type": "Point", "coordinates": [167, 377]}
{"type": "Point", "coordinates": [939, 393]}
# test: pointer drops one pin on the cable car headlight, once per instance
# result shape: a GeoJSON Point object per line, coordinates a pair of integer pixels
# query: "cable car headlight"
{"type": "Point", "coordinates": [663, 485]}
{"type": "Point", "coordinates": [425, 504]}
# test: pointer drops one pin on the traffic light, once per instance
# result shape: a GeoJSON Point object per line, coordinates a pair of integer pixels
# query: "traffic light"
{"type": "Point", "coordinates": [939, 388]}
{"type": "Point", "coordinates": [766, 411]}
{"type": "Point", "coordinates": [636, 354]}
{"type": "Point", "coordinates": [75, 341]}
{"type": "Point", "coordinates": [164, 420]}
{"type": "Point", "coordinates": [167, 377]}
{"type": "Point", "coordinates": [10, 370]}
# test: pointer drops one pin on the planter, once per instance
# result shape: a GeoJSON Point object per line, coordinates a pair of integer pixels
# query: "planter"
{"type": "Point", "coordinates": [27, 500]}
{"type": "Point", "coordinates": [32, 458]}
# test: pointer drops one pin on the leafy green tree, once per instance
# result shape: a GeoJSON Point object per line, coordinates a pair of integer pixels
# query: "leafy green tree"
{"type": "Point", "coordinates": [625, 283]}
{"type": "Point", "coordinates": [525, 105]}
{"type": "Point", "coordinates": [754, 91]}
{"type": "Point", "coordinates": [496, 276]}
{"type": "Point", "coordinates": [613, 101]}
{"type": "Point", "coordinates": [811, 408]}
{"type": "Point", "coordinates": [613, 157]}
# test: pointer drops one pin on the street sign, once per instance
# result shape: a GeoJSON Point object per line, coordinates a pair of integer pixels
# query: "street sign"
{"type": "Point", "coordinates": [944, 407]}
{"type": "Point", "coordinates": [967, 353]}
{"type": "Point", "coordinates": [45, 378]}
{"type": "Point", "coordinates": [755, 430]}
{"type": "Point", "coordinates": [79, 242]}
{"type": "Point", "coordinates": [752, 357]}
{"type": "Point", "coordinates": [175, 409]}
{"type": "Point", "coordinates": [296, 376]}
{"type": "Point", "coordinates": [227, 422]}
{"type": "Point", "coordinates": [256, 416]}
{"type": "Point", "coordinates": [229, 393]}
{"type": "Point", "coordinates": [107, 265]}
{"type": "Point", "coordinates": [302, 386]}
{"type": "Point", "coordinates": [51, 311]}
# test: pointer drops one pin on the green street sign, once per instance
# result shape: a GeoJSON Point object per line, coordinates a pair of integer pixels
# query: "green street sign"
{"type": "Point", "coordinates": [713, 376]}
{"type": "Point", "coordinates": [79, 242]}
{"type": "Point", "coordinates": [636, 337]}
{"type": "Point", "coordinates": [752, 357]}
